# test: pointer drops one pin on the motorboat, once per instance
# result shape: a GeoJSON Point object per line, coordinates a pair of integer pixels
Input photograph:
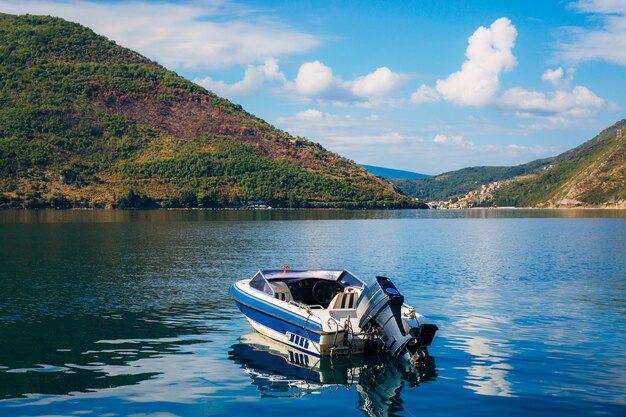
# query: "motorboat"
{"type": "Point", "coordinates": [278, 370]}
{"type": "Point", "coordinates": [333, 312]}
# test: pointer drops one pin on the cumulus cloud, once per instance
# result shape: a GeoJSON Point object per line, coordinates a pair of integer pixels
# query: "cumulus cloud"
{"type": "Point", "coordinates": [376, 84]}
{"type": "Point", "coordinates": [579, 102]}
{"type": "Point", "coordinates": [255, 77]}
{"type": "Point", "coordinates": [477, 83]}
{"type": "Point", "coordinates": [557, 105]}
{"type": "Point", "coordinates": [208, 34]}
{"type": "Point", "coordinates": [424, 94]}
{"type": "Point", "coordinates": [489, 53]}
{"type": "Point", "coordinates": [563, 102]}
{"type": "Point", "coordinates": [315, 115]}
{"type": "Point", "coordinates": [314, 79]}
{"type": "Point", "coordinates": [451, 140]}
{"type": "Point", "coordinates": [603, 40]}
{"type": "Point", "coordinates": [552, 75]}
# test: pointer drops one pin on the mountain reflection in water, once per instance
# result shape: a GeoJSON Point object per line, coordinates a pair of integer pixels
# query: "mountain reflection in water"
{"type": "Point", "coordinates": [277, 370]}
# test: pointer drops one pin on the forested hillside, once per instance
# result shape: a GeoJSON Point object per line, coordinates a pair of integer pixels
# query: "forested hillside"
{"type": "Point", "coordinates": [592, 174]}
{"type": "Point", "coordinates": [88, 123]}
{"type": "Point", "coordinates": [457, 183]}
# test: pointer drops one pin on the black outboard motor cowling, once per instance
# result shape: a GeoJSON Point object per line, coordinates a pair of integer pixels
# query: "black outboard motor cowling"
{"type": "Point", "coordinates": [381, 308]}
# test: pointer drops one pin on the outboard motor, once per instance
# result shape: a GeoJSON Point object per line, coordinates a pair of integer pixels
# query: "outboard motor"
{"type": "Point", "coordinates": [380, 310]}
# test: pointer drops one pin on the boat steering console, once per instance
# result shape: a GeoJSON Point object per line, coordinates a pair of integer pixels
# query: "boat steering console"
{"type": "Point", "coordinates": [324, 291]}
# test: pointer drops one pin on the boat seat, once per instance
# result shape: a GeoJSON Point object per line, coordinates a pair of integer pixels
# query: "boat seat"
{"type": "Point", "coordinates": [345, 300]}
{"type": "Point", "coordinates": [281, 291]}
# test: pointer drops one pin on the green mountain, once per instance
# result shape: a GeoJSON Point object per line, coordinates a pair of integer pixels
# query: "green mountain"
{"type": "Point", "coordinates": [85, 122]}
{"type": "Point", "coordinates": [458, 183]}
{"type": "Point", "coordinates": [392, 174]}
{"type": "Point", "coordinates": [592, 174]}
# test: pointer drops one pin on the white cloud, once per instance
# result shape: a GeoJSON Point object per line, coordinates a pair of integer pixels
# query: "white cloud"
{"type": "Point", "coordinates": [424, 94]}
{"type": "Point", "coordinates": [315, 115]}
{"type": "Point", "coordinates": [555, 107]}
{"type": "Point", "coordinates": [255, 77]}
{"type": "Point", "coordinates": [552, 76]}
{"type": "Point", "coordinates": [456, 140]}
{"type": "Point", "coordinates": [314, 79]}
{"type": "Point", "coordinates": [559, 78]}
{"type": "Point", "coordinates": [376, 84]}
{"type": "Point", "coordinates": [489, 52]}
{"type": "Point", "coordinates": [562, 102]}
{"type": "Point", "coordinates": [207, 34]}
{"type": "Point", "coordinates": [310, 114]}
{"type": "Point", "coordinates": [604, 40]}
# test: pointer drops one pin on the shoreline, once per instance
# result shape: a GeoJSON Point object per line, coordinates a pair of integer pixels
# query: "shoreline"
{"type": "Point", "coordinates": [262, 209]}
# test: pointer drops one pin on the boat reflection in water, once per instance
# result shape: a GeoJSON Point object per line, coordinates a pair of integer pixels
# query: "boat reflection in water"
{"type": "Point", "coordinates": [278, 370]}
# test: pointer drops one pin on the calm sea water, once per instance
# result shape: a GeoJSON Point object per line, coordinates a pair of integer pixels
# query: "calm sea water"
{"type": "Point", "coordinates": [116, 313]}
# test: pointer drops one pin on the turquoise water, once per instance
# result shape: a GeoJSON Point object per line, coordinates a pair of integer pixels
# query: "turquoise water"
{"type": "Point", "coordinates": [128, 313]}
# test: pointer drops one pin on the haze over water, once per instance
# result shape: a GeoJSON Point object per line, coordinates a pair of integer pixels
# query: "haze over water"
{"type": "Point", "coordinates": [128, 313]}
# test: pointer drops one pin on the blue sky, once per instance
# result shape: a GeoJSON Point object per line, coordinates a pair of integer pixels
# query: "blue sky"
{"type": "Point", "coordinates": [427, 86]}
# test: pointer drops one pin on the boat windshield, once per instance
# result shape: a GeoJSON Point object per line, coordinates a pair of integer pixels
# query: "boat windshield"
{"type": "Point", "coordinates": [258, 282]}
{"type": "Point", "coordinates": [343, 277]}
{"type": "Point", "coordinates": [349, 280]}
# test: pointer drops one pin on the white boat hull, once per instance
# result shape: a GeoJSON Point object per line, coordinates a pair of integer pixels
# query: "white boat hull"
{"type": "Point", "coordinates": [307, 345]}
{"type": "Point", "coordinates": [333, 326]}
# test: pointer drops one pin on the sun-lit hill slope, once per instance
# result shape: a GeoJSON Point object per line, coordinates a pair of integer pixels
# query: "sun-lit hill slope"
{"type": "Point", "coordinates": [592, 174]}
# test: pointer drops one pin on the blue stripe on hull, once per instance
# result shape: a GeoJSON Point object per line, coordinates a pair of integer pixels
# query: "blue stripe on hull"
{"type": "Point", "coordinates": [276, 324]}
{"type": "Point", "coordinates": [274, 312]}
{"type": "Point", "coordinates": [310, 352]}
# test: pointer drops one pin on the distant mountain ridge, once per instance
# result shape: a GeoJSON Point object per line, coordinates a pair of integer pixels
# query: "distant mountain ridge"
{"type": "Point", "coordinates": [88, 123]}
{"type": "Point", "coordinates": [392, 174]}
{"type": "Point", "coordinates": [462, 181]}
{"type": "Point", "coordinates": [592, 174]}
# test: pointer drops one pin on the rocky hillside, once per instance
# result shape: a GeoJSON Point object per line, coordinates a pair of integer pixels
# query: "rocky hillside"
{"type": "Point", "coordinates": [592, 174]}
{"type": "Point", "coordinates": [86, 122]}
